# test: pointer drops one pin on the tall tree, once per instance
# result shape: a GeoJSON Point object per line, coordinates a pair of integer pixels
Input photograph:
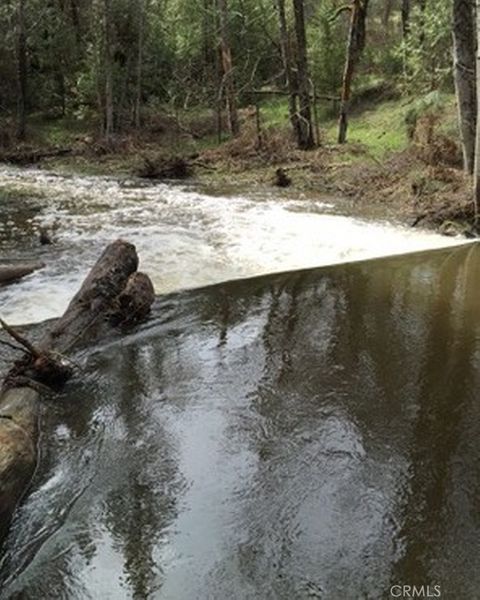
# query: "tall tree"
{"type": "Point", "coordinates": [306, 139]}
{"type": "Point", "coordinates": [209, 55]}
{"type": "Point", "coordinates": [387, 11]}
{"type": "Point", "coordinates": [227, 65]}
{"type": "Point", "coordinates": [138, 92]}
{"type": "Point", "coordinates": [21, 48]}
{"type": "Point", "coordinates": [288, 67]}
{"type": "Point", "coordinates": [355, 46]}
{"type": "Point", "coordinates": [465, 77]}
{"type": "Point", "coordinates": [422, 4]}
{"type": "Point", "coordinates": [476, 167]}
{"type": "Point", "coordinates": [108, 66]}
{"type": "Point", "coordinates": [75, 14]}
{"type": "Point", "coordinates": [405, 17]}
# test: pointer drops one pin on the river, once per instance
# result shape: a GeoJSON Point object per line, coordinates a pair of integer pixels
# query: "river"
{"type": "Point", "coordinates": [303, 434]}
{"type": "Point", "coordinates": [185, 237]}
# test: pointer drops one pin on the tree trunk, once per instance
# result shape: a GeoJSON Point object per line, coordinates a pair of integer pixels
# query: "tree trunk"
{"type": "Point", "coordinates": [315, 114]}
{"type": "Point", "coordinates": [19, 410]}
{"type": "Point", "coordinates": [14, 272]}
{"type": "Point", "coordinates": [405, 17]}
{"type": "Point", "coordinates": [21, 71]}
{"type": "Point", "coordinates": [138, 91]}
{"type": "Point", "coordinates": [227, 64]}
{"type": "Point", "coordinates": [108, 71]}
{"type": "Point", "coordinates": [465, 80]}
{"type": "Point", "coordinates": [387, 13]}
{"type": "Point", "coordinates": [218, 99]}
{"type": "Point", "coordinates": [76, 21]}
{"type": "Point", "coordinates": [287, 65]}
{"type": "Point", "coordinates": [209, 58]}
{"type": "Point", "coordinates": [113, 292]}
{"type": "Point", "coordinates": [60, 79]}
{"type": "Point", "coordinates": [305, 138]}
{"type": "Point", "coordinates": [355, 46]}
{"type": "Point", "coordinates": [476, 168]}
{"type": "Point", "coordinates": [422, 4]}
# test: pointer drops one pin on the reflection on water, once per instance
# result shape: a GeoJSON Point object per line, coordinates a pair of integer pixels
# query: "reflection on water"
{"type": "Point", "coordinates": [185, 238]}
{"type": "Point", "coordinates": [308, 435]}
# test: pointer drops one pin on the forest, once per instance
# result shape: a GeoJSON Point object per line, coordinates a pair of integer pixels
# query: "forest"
{"type": "Point", "coordinates": [239, 316]}
{"type": "Point", "coordinates": [159, 87]}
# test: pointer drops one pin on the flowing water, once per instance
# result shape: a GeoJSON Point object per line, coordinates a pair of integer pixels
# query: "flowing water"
{"type": "Point", "coordinates": [185, 238]}
{"type": "Point", "coordinates": [311, 434]}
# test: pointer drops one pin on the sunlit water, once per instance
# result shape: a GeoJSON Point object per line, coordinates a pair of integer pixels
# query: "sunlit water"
{"type": "Point", "coordinates": [185, 238]}
{"type": "Point", "coordinates": [312, 434]}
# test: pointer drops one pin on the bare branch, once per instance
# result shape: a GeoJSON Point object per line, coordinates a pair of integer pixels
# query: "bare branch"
{"type": "Point", "coordinates": [20, 339]}
{"type": "Point", "coordinates": [340, 10]}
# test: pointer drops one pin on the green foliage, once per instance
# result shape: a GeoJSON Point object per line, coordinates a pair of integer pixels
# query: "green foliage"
{"type": "Point", "coordinates": [274, 113]}
{"type": "Point", "coordinates": [381, 130]}
{"type": "Point", "coordinates": [431, 103]}
{"type": "Point", "coordinates": [434, 104]}
{"type": "Point", "coordinates": [426, 51]}
{"type": "Point", "coordinates": [327, 43]}
{"type": "Point", "coordinates": [180, 62]}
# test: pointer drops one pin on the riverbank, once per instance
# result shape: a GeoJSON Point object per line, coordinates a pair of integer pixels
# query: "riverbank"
{"type": "Point", "coordinates": [402, 157]}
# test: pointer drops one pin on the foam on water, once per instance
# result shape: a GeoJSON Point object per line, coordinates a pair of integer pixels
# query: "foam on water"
{"type": "Point", "coordinates": [185, 238]}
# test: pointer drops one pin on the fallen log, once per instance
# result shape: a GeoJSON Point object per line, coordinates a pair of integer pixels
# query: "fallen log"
{"type": "Point", "coordinates": [113, 293]}
{"type": "Point", "coordinates": [28, 156]}
{"type": "Point", "coordinates": [11, 273]}
{"type": "Point", "coordinates": [165, 168]}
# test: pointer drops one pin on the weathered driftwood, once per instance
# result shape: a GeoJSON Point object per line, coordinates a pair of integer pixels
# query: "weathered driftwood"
{"type": "Point", "coordinates": [113, 293]}
{"type": "Point", "coordinates": [19, 409]}
{"type": "Point", "coordinates": [11, 273]}
{"type": "Point", "coordinates": [133, 303]}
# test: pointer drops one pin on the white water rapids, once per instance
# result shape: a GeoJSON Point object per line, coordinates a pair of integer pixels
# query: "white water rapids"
{"type": "Point", "coordinates": [185, 238]}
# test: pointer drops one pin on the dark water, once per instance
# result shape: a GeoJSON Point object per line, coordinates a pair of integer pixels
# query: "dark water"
{"type": "Point", "coordinates": [308, 435]}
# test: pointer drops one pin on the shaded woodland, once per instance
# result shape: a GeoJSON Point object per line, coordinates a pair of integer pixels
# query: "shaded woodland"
{"type": "Point", "coordinates": [107, 69]}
